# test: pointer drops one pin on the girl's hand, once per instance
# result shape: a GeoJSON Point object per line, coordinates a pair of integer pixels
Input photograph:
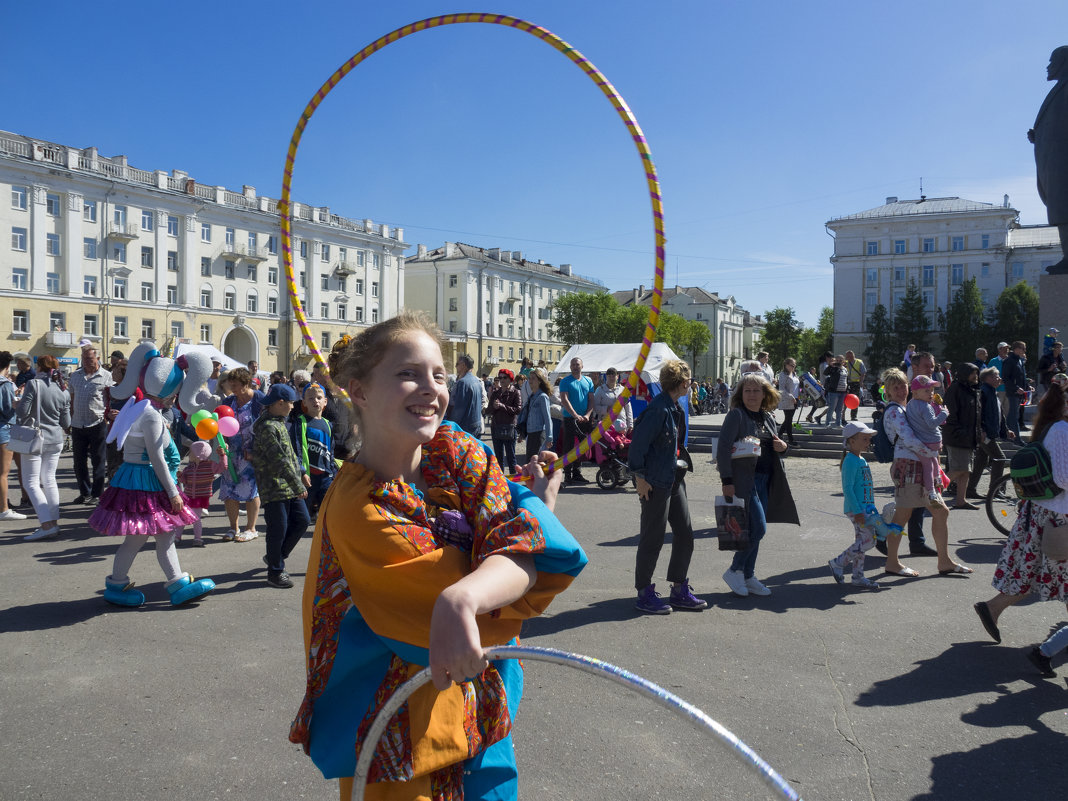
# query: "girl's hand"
{"type": "Point", "coordinates": [545, 486]}
{"type": "Point", "coordinates": [455, 648]}
{"type": "Point", "coordinates": [176, 504]}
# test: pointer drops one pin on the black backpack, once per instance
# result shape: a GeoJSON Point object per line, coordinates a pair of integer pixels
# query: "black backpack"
{"type": "Point", "coordinates": [1032, 473]}
{"type": "Point", "coordinates": [880, 443]}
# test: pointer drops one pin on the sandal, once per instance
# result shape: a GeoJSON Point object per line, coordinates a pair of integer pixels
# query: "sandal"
{"type": "Point", "coordinates": [956, 570]}
{"type": "Point", "coordinates": [230, 535]}
{"type": "Point", "coordinates": [246, 536]}
{"type": "Point", "coordinates": [906, 572]}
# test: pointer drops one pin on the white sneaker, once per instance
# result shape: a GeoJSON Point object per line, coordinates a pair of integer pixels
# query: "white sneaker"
{"type": "Point", "coordinates": [736, 581]}
{"type": "Point", "coordinates": [11, 514]}
{"type": "Point", "coordinates": [755, 587]}
{"type": "Point", "coordinates": [41, 534]}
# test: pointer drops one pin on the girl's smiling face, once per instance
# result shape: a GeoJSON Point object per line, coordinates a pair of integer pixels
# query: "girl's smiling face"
{"type": "Point", "coordinates": [402, 401]}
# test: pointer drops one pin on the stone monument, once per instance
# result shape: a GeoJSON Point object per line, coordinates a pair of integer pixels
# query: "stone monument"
{"type": "Point", "coordinates": [1050, 138]}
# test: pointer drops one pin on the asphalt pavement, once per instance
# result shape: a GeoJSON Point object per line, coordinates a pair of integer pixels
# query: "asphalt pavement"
{"type": "Point", "coordinates": [896, 694]}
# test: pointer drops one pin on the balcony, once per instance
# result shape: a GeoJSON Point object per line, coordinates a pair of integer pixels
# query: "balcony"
{"type": "Point", "coordinates": [344, 268]}
{"type": "Point", "coordinates": [243, 252]}
{"type": "Point", "coordinates": [59, 339]}
{"type": "Point", "coordinates": [123, 232]}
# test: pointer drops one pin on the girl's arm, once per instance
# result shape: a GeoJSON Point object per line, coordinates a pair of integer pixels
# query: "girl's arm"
{"type": "Point", "coordinates": [900, 433]}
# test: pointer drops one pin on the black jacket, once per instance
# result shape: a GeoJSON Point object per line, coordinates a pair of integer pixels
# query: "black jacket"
{"type": "Point", "coordinates": [1013, 375]}
{"type": "Point", "coordinates": [964, 425]}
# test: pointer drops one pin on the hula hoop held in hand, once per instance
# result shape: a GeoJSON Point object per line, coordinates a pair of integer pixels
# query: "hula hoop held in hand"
{"type": "Point", "coordinates": [609, 91]}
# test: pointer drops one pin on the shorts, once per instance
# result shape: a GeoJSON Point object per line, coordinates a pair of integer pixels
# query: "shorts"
{"type": "Point", "coordinates": [907, 475]}
{"type": "Point", "coordinates": [959, 460]}
{"type": "Point", "coordinates": [5, 434]}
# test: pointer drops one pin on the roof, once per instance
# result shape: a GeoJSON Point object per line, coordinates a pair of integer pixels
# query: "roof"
{"type": "Point", "coordinates": [1033, 236]}
{"type": "Point", "coordinates": [465, 251]}
{"type": "Point", "coordinates": [925, 205]}
{"type": "Point", "coordinates": [645, 296]}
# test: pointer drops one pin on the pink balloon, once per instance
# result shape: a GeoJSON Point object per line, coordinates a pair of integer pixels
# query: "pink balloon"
{"type": "Point", "coordinates": [228, 426]}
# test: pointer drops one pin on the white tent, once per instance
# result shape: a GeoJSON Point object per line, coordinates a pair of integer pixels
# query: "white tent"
{"type": "Point", "coordinates": [598, 358]}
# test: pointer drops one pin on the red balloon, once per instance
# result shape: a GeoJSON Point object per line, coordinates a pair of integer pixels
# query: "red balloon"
{"type": "Point", "coordinates": [224, 411]}
{"type": "Point", "coordinates": [851, 401]}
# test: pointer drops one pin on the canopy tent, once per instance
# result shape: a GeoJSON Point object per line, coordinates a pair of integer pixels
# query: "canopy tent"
{"type": "Point", "coordinates": [598, 358]}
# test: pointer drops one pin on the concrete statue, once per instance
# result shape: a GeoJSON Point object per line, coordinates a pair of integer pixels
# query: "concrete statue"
{"type": "Point", "coordinates": [1050, 138]}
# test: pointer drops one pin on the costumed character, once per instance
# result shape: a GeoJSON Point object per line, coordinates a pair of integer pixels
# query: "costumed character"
{"type": "Point", "coordinates": [143, 499]}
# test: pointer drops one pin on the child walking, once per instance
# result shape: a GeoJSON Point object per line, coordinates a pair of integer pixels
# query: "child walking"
{"type": "Point", "coordinates": [859, 494]}
{"type": "Point", "coordinates": [313, 441]}
{"type": "Point", "coordinates": [197, 478]}
{"type": "Point", "coordinates": [925, 418]}
{"type": "Point", "coordinates": [282, 483]}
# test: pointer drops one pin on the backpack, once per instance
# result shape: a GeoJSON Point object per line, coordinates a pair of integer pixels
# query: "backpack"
{"type": "Point", "coordinates": [880, 443]}
{"type": "Point", "coordinates": [1032, 473]}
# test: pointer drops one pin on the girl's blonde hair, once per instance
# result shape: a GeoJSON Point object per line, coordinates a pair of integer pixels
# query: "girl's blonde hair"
{"type": "Point", "coordinates": [771, 395]}
{"type": "Point", "coordinates": [892, 375]}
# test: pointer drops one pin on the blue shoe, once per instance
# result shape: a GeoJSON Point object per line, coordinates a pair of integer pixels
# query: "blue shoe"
{"type": "Point", "coordinates": [188, 589]}
{"type": "Point", "coordinates": [122, 593]}
{"type": "Point", "coordinates": [682, 597]}
{"type": "Point", "coordinates": [650, 602]}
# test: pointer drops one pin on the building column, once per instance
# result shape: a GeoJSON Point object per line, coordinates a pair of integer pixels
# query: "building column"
{"type": "Point", "coordinates": [161, 276]}
{"type": "Point", "coordinates": [311, 277]}
{"type": "Point", "coordinates": [36, 245]}
{"type": "Point", "coordinates": [71, 274]}
{"type": "Point", "coordinates": [189, 264]}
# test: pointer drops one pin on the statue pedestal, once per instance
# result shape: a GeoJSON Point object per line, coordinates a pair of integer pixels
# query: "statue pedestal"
{"type": "Point", "coordinates": [1052, 306]}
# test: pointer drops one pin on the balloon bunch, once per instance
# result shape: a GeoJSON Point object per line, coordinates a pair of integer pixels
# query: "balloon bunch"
{"type": "Point", "coordinates": [216, 425]}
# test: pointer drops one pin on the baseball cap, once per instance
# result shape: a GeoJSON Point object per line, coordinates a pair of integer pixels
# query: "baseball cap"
{"type": "Point", "coordinates": [279, 392]}
{"type": "Point", "coordinates": [924, 381]}
{"type": "Point", "coordinates": [855, 427]}
{"type": "Point", "coordinates": [1002, 345]}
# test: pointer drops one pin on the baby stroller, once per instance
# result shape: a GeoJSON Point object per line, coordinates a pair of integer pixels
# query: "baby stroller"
{"type": "Point", "coordinates": [610, 454]}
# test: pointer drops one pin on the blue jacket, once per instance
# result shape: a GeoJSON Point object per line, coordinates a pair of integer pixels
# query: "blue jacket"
{"type": "Point", "coordinates": [465, 404]}
{"type": "Point", "coordinates": [538, 418]}
{"type": "Point", "coordinates": [992, 421]}
{"type": "Point", "coordinates": [654, 442]}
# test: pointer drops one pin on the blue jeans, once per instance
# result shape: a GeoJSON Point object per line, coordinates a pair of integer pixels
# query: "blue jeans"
{"type": "Point", "coordinates": [835, 409]}
{"type": "Point", "coordinates": [1012, 419]}
{"type": "Point", "coordinates": [320, 483]}
{"type": "Point", "coordinates": [758, 525]}
{"type": "Point", "coordinates": [504, 450]}
{"type": "Point", "coordinates": [1056, 643]}
{"type": "Point", "coordinates": [286, 523]}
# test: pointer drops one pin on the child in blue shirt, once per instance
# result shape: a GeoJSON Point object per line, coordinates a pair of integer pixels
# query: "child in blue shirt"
{"type": "Point", "coordinates": [314, 444]}
{"type": "Point", "coordinates": [859, 507]}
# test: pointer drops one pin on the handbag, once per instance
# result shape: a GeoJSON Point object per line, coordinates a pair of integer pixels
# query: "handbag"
{"type": "Point", "coordinates": [28, 439]}
{"type": "Point", "coordinates": [505, 432]}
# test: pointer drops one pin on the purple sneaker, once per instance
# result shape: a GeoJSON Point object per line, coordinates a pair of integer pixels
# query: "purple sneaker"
{"type": "Point", "coordinates": [650, 602]}
{"type": "Point", "coordinates": [682, 597]}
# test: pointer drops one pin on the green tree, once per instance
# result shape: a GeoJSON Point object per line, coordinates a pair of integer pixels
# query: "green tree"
{"type": "Point", "coordinates": [630, 323]}
{"type": "Point", "coordinates": [965, 326]}
{"type": "Point", "coordinates": [782, 335]}
{"type": "Point", "coordinates": [697, 339]}
{"type": "Point", "coordinates": [581, 317]}
{"type": "Point", "coordinates": [911, 322]}
{"type": "Point", "coordinates": [1016, 317]}
{"type": "Point", "coordinates": [882, 350]}
{"type": "Point", "coordinates": [816, 341]}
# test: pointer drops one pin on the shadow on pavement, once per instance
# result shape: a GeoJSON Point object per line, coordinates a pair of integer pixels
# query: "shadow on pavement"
{"type": "Point", "coordinates": [608, 611]}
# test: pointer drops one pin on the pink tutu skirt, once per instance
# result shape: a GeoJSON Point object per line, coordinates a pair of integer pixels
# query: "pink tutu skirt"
{"type": "Point", "coordinates": [144, 511]}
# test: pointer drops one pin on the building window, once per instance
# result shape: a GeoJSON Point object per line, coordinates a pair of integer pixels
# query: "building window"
{"type": "Point", "coordinates": [359, 314]}
{"type": "Point", "coordinates": [252, 273]}
{"type": "Point", "coordinates": [229, 237]}
{"type": "Point", "coordinates": [325, 252]}
{"type": "Point", "coordinates": [272, 245]}
{"type": "Point", "coordinates": [324, 310]}
{"type": "Point", "coordinates": [500, 330]}
{"type": "Point", "coordinates": [452, 327]}
{"type": "Point", "coordinates": [872, 248]}
{"type": "Point", "coordinates": [374, 315]}
{"type": "Point", "coordinates": [374, 289]}
{"type": "Point", "coordinates": [359, 286]}
{"type": "Point", "coordinates": [52, 244]}
{"type": "Point", "coordinates": [452, 304]}
{"type": "Point", "coordinates": [148, 329]}
{"type": "Point", "coordinates": [956, 243]}
{"type": "Point", "coordinates": [325, 339]}
{"type": "Point", "coordinates": [146, 220]}
{"type": "Point", "coordinates": [899, 298]}
{"type": "Point", "coordinates": [252, 239]}
{"type": "Point", "coordinates": [511, 354]}
{"type": "Point", "coordinates": [304, 280]}
{"type": "Point", "coordinates": [172, 226]}
{"type": "Point", "coordinates": [272, 304]}
{"type": "Point", "coordinates": [118, 214]}
{"type": "Point", "coordinates": [230, 300]}
{"type": "Point", "coordinates": [205, 232]}
{"type": "Point", "coordinates": [252, 303]}
{"type": "Point", "coordinates": [272, 337]}
{"type": "Point", "coordinates": [172, 261]}
{"type": "Point", "coordinates": [899, 246]}
{"type": "Point", "coordinates": [986, 241]}
{"type": "Point", "coordinates": [870, 300]}
{"type": "Point", "coordinates": [205, 332]}
{"type": "Point", "coordinates": [376, 260]}
{"type": "Point", "coordinates": [118, 252]}
{"type": "Point", "coordinates": [229, 269]}
{"type": "Point", "coordinates": [89, 285]}
{"type": "Point", "coordinates": [303, 249]}
{"type": "Point", "coordinates": [872, 277]}
{"type": "Point", "coordinates": [324, 282]}
{"type": "Point", "coordinates": [205, 265]}
{"type": "Point", "coordinates": [342, 284]}
{"type": "Point", "coordinates": [928, 275]}
{"type": "Point", "coordinates": [20, 322]}
{"type": "Point", "coordinates": [172, 295]}
{"type": "Point", "coordinates": [984, 271]}
{"type": "Point", "coordinates": [361, 258]}
{"type": "Point", "coordinates": [272, 275]}
{"type": "Point", "coordinates": [18, 197]}
{"type": "Point", "coordinates": [52, 283]}
{"type": "Point", "coordinates": [91, 325]}
{"type": "Point", "coordinates": [899, 275]}
{"type": "Point", "coordinates": [52, 205]}
{"type": "Point", "coordinates": [146, 292]}
{"type": "Point", "coordinates": [19, 277]}
{"type": "Point", "coordinates": [57, 321]}
{"type": "Point", "coordinates": [18, 239]}
{"type": "Point", "coordinates": [452, 281]}
{"type": "Point", "coordinates": [956, 274]}
{"type": "Point", "coordinates": [89, 210]}
{"type": "Point", "coordinates": [928, 298]}
{"type": "Point", "coordinates": [120, 328]}
{"type": "Point", "coordinates": [146, 257]}
{"type": "Point", "coordinates": [1017, 270]}
{"type": "Point", "coordinates": [119, 289]}
{"type": "Point", "coordinates": [929, 245]}
{"type": "Point", "coordinates": [177, 329]}
{"type": "Point", "coordinates": [342, 311]}
{"type": "Point", "coordinates": [89, 247]}
{"type": "Point", "coordinates": [205, 298]}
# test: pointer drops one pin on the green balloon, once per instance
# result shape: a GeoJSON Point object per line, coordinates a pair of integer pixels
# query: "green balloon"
{"type": "Point", "coordinates": [203, 414]}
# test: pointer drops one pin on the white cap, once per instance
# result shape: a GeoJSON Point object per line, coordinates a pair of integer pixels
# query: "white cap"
{"type": "Point", "coordinates": [855, 427]}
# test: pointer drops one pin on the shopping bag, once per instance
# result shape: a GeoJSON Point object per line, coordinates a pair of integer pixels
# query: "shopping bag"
{"type": "Point", "coordinates": [732, 524]}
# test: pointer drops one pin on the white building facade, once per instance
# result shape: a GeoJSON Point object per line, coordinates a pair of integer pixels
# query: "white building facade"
{"type": "Point", "coordinates": [939, 243]}
{"type": "Point", "coordinates": [492, 304]}
{"type": "Point", "coordinates": [95, 248]}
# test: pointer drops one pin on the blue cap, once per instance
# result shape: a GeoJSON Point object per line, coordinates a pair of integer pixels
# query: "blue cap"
{"type": "Point", "coordinates": [280, 392]}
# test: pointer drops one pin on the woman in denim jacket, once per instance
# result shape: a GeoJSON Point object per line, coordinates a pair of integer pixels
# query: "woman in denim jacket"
{"type": "Point", "coordinates": [539, 422]}
{"type": "Point", "coordinates": [761, 481]}
{"type": "Point", "coordinates": [659, 463]}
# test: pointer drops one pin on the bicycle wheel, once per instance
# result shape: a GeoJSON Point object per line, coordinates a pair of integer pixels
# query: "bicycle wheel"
{"type": "Point", "coordinates": [1002, 504]}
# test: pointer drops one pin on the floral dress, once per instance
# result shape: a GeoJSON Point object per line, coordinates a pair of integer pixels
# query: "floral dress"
{"type": "Point", "coordinates": [244, 489]}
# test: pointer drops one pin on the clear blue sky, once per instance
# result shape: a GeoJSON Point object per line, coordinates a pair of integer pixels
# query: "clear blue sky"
{"type": "Point", "coordinates": [765, 119]}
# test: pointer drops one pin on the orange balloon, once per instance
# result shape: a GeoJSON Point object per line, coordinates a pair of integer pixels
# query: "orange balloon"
{"type": "Point", "coordinates": [207, 428]}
